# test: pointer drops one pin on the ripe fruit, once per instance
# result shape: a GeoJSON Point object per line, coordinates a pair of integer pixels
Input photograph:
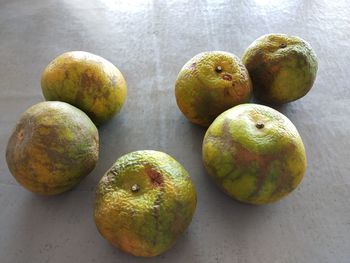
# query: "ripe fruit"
{"type": "Point", "coordinates": [86, 81]}
{"type": "Point", "coordinates": [282, 68]}
{"type": "Point", "coordinates": [52, 148]}
{"type": "Point", "coordinates": [144, 202]}
{"type": "Point", "coordinates": [254, 154]}
{"type": "Point", "coordinates": [210, 83]}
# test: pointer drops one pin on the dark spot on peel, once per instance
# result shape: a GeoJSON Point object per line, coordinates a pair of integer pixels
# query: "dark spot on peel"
{"type": "Point", "coordinates": [89, 81]}
{"type": "Point", "coordinates": [113, 80]}
{"type": "Point", "coordinates": [179, 221]}
{"type": "Point", "coordinates": [156, 214]}
{"type": "Point", "coordinates": [113, 171]}
{"type": "Point", "coordinates": [193, 66]}
{"type": "Point", "coordinates": [227, 77]}
{"type": "Point", "coordinates": [20, 135]}
{"type": "Point", "coordinates": [90, 85]}
{"type": "Point", "coordinates": [155, 177]}
{"type": "Point", "coordinates": [226, 92]}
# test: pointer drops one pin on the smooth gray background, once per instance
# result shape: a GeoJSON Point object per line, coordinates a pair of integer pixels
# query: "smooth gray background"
{"type": "Point", "coordinates": [149, 41]}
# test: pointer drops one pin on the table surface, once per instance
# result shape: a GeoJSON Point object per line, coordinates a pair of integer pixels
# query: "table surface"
{"type": "Point", "coordinates": [149, 41]}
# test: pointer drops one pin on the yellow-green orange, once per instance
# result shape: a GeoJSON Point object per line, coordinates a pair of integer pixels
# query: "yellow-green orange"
{"type": "Point", "coordinates": [52, 148]}
{"type": "Point", "coordinates": [282, 68]}
{"type": "Point", "coordinates": [144, 202]}
{"type": "Point", "coordinates": [210, 83]}
{"type": "Point", "coordinates": [89, 82]}
{"type": "Point", "coordinates": [254, 154]}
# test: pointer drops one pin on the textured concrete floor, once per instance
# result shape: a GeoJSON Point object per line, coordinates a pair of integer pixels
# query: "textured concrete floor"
{"type": "Point", "coordinates": [150, 41]}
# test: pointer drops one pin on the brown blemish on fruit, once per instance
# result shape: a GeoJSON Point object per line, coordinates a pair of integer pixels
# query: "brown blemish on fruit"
{"type": "Point", "coordinates": [49, 144]}
{"type": "Point", "coordinates": [90, 85]}
{"type": "Point", "coordinates": [43, 159]}
{"type": "Point", "coordinates": [155, 177]}
{"type": "Point", "coordinates": [239, 90]}
{"type": "Point", "coordinates": [274, 69]}
{"type": "Point", "coordinates": [66, 74]}
{"type": "Point", "coordinates": [20, 135]}
{"type": "Point", "coordinates": [177, 226]}
{"type": "Point", "coordinates": [285, 180]}
{"type": "Point", "coordinates": [226, 92]}
{"type": "Point", "coordinates": [193, 65]}
{"type": "Point", "coordinates": [113, 171]}
{"type": "Point", "coordinates": [243, 157]}
{"type": "Point", "coordinates": [178, 210]}
{"type": "Point", "coordinates": [88, 79]}
{"type": "Point", "coordinates": [156, 214]}
{"type": "Point", "coordinates": [227, 77]}
{"type": "Point", "coordinates": [113, 80]}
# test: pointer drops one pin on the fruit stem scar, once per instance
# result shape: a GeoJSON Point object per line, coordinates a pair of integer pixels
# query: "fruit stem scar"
{"type": "Point", "coordinates": [259, 125]}
{"type": "Point", "coordinates": [283, 45]}
{"type": "Point", "coordinates": [218, 69]}
{"type": "Point", "coordinates": [135, 188]}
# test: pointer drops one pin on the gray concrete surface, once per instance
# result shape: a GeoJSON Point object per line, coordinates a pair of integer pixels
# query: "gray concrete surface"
{"type": "Point", "coordinates": [150, 41]}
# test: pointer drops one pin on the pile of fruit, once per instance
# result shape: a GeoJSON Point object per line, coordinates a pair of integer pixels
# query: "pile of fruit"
{"type": "Point", "coordinates": [146, 199]}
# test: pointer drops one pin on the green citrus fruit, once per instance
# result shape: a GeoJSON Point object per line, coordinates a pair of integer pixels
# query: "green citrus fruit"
{"type": "Point", "coordinates": [86, 81]}
{"type": "Point", "coordinates": [210, 83]}
{"type": "Point", "coordinates": [52, 148]}
{"type": "Point", "coordinates": [144, 202]}
{"type": "Point", "coordinates": [254, 154]}
{"type": "Point", "coordinates": [282, 68]}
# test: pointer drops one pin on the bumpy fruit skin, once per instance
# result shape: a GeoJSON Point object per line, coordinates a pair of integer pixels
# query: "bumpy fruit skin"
{"type": "Point", "coordinates": [145, 222]}
{"type": "Point", "coordinates": [52, 148]}
{"type": "Point", "coordinates": [210, 83]}
{"type": "Point", "coordinates": [86, 81]}
{"type": "Point", "coordinates": [254, 154]}
{"type": "Point", "coordinates": [282, 68]}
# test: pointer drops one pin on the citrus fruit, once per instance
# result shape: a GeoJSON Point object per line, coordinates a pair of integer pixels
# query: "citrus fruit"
{"type": "Point", "coordinates": [254, 154]}
{"type": "Point", "coordinates": [52, 148]}
{"type": "Point", "coordinates": [282, 68]}
{"type": "Point", "coordinates": [144, 202]}
{"type": "Point", "coordinates": [210, 83]}
{"type": "Point", "coordinates": [86, 81]}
